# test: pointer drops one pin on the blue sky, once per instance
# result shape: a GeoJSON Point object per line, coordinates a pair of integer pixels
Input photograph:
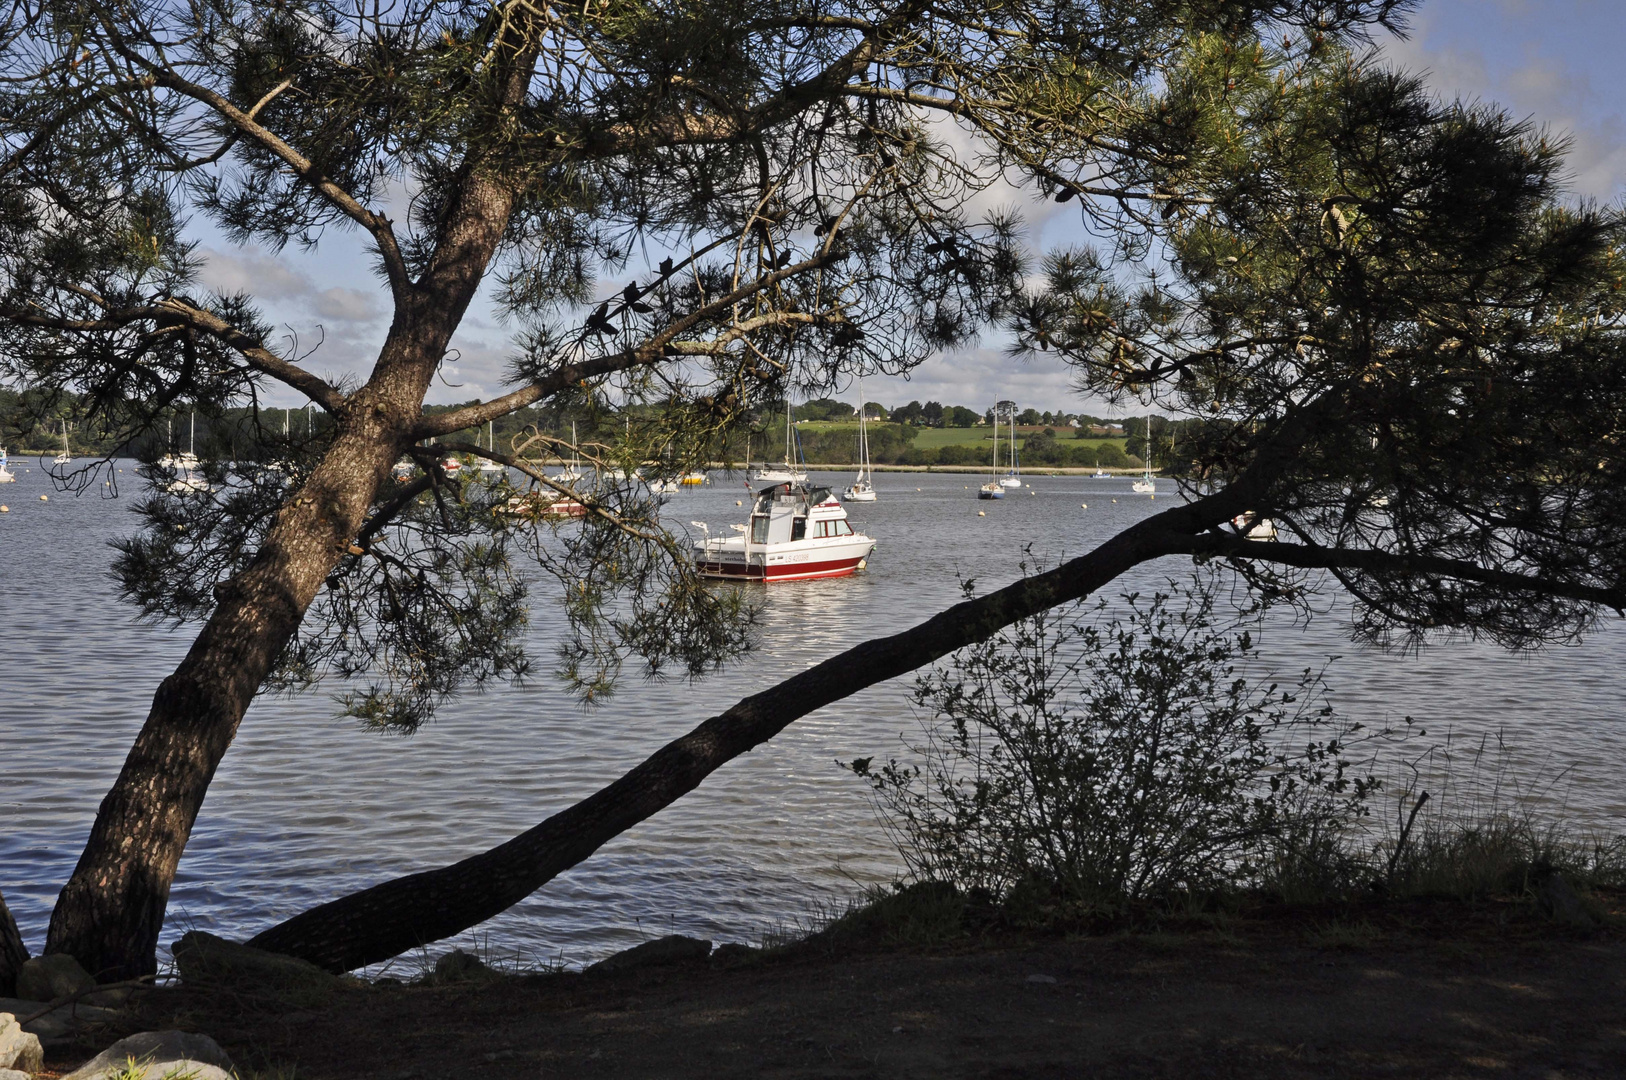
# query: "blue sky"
{"type": "Point", "coordinates": [1552, 62]}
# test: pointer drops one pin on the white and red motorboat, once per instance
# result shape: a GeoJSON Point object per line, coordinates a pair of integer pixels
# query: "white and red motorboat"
{"type": "Point", "coordinates": [796, 533]}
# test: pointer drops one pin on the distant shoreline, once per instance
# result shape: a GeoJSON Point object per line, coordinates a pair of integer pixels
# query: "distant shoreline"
{"type": "Point", "coordinates": [1038, 470]}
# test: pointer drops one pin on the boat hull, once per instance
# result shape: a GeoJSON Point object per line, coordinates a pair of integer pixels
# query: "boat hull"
{"type": "Point", "coordinates": [727, 560]}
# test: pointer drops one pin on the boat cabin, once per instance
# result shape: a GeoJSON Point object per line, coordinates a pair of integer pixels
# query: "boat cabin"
{"type": "Point", "coordinates": [788, 512]}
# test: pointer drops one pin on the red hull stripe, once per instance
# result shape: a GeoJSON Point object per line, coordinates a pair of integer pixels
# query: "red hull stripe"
{"type": "Point", "coordinates": [800, 571]}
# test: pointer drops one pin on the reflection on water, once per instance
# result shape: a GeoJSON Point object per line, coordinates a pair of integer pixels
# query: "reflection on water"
{"type": "Point", "coordinates": [306, 808]}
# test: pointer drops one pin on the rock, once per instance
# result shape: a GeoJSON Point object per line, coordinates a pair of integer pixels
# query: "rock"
{"type": "Point", "coordinates": [46, 978]}
{"type": "Point", "coordinates": [1042, 979]}
{"type": "Point", "coordinates": [60, 1024]}
{"type": "Point", "coordinates": [1562, 903]}
{"type": "Point", "coordinates": [203, 958]}
{"type": "Point", "coordinates": [162, 1052]}
{"type": "Point", "coordinates": [19, 1049]}
{"type": "Point", "coordinates": [675, 949]}
{"type": "Point", "coordinates": [460, 966]}
{"type": "Point", "coordinates": [177, 1069]}
{"type": "Point", "coordinates": [11, 1074]}
{"type": "Point", "coordinates": [733, 954]}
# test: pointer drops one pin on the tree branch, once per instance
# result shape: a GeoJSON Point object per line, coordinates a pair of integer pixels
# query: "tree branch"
{"type": "Point", "coordinates": [1372, 561]}
{"type": "Point", "coordinates": [653, 351]}
{"type": "Point", "coordinates": [408, 912]}
{"type": "Point", "coordinates": [301, 166]}
{"type": "Point", "coordinates": [259, 357]}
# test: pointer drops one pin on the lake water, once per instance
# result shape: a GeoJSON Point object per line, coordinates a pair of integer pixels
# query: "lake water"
{"type": "Point", "coordinates": [306, 808]}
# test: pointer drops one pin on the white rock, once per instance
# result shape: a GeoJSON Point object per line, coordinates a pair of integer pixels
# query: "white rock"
{"type": "Point", "coordinates": [19, 1049]}
{"type": "Point", "coordinates": [12, 1074]}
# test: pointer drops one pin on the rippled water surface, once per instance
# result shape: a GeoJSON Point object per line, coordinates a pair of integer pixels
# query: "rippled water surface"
{"type": "Point", "coordinates": [306, 808]}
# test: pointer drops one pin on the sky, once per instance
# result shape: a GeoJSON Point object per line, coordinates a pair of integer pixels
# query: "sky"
{"type": "Point", "coordinates": [1550, 62]}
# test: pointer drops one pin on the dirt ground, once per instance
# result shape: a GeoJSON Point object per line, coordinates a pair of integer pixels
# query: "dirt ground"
{"type": "Point", "coordinates": [1419, 991]}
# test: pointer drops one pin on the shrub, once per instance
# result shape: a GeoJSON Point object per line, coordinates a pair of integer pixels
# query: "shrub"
{"type": "Point", "coordinates": [1110, 761]}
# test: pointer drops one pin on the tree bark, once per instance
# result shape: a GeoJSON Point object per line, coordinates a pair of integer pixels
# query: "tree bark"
{"type": "Point", "coordinates": [109, 914]}
{"type": "Point", "coordinates": [13, 953]}
{"type": "Point", "coordinates": [390, 918]}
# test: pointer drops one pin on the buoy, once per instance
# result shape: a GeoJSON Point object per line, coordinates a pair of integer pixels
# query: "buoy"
{"type": "Point", "coordinates": [1114, 500]}
{"type": "Point", "coordinates": [982, 513]}
{"type": "Point", "coordinates": [738, 503]}
{"type": "Point", "coordinates": [5, 509]}
{"type": "Point", "coordinates": [45, 498]}
{"type": "Point", "coordinates": [1083, 506]}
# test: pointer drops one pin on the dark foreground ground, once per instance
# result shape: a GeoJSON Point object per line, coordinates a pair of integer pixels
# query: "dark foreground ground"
{"type": "Point", "coordinates": [1416, 990]}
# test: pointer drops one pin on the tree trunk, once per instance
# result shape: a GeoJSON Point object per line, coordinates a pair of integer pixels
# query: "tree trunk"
{"type": "Point", "coordinates": [111, 911]}
{"type": "Point", "coordinates": [13, 953]}
{"type": "Point", "coordinates": [395, 916]}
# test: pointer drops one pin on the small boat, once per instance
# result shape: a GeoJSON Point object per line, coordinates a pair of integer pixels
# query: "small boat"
{"type": "Point", "coordinates": [402, 470]}
{"type": "Point", "coordinates": [6, 475]}
{"type": "Point", "coordinates": [788, 471]}
{"type": "Point", "coordinates": [486, 464]}
{"type": "Point", "coordinates": [993, 489]}
{"type": "Point", "coordinates": [451, 466]}
{"type": "Point", "coordinates": [796, 533]}
{"type": "Point", "coordinates": [693, 479]}
{"type": "Point", "coordinates": [1013, 474]}
{"type": "Point", "coordinates": [571, 472]}
{"type": "Point", "coordinates": [535, 505]}
{"type": "Point", "coordinates": [1254, 527]}
{"type": "Point", "coordinates": [663, 487]}
{"type": "Point", "coordinates": [1146, 485]}
{"type": "Point", "coordinates": [184, 467]}
{"type": "Point", "coordinates": [64, 458]}
{"type": "Point", "coordinates": [862, 488]}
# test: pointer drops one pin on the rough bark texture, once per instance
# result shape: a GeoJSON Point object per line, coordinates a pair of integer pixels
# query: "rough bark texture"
{"type": "Point", "coordinates": [395, 916]}
{"type": "Point", "coordinates": [111, 911]}
{"type": "Point", "coordinates": [13, 953]}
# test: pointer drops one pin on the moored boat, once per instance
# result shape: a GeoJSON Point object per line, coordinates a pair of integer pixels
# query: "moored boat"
{"type": "Point", "coordinates": [993, 489]}
{"type": "Point", "coordinates": [796, 533]}
{"type": "Point", "coordinates": [533, 505]}
{"type": "Point", "coordinates": [6, 475]}
{"type": "Point", "coordinates": [862, 488]}
{"type": "Point", "coordinates": [1146, 485]}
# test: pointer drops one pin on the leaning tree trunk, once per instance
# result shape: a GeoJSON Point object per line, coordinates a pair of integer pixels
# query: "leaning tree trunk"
{"type": "Point", "coordinates": [395, 916]}
{"type": "Point", "coordinates": [110, 912]}
{"type": "Point", "coordinates": [13, 953]}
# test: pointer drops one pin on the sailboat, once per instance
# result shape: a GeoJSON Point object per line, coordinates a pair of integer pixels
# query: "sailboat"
{"type": "Point", "coordinates": [571, 473]}
{"type": "Point", "coordinates": [6, 475]}
{"type": "Point", "coordinates": [486, 464]}
{"type": "Point", "coordinates": [1146, 485]}
{"type": "Point", "coordinates": [64, 458]}
{"type": "Point", "coordinates": [186, 478]}
{"type": "Point", "coordinates": [1013, 474]}
{"type": "Point", "coordinates": [993, 489]}
{"type": "Point", "coordinates": [788, 471]}
{"type": "Point", "coordinates": [862, 489]}
{"type": "Point", "coordinates": [170, 460]}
